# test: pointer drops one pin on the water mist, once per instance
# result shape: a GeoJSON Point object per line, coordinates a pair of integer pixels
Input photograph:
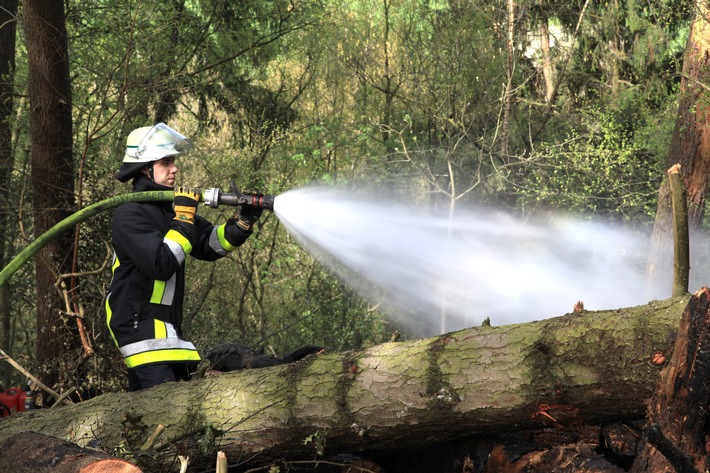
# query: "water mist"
{"type": "Point", "coordinates": [436, 274]}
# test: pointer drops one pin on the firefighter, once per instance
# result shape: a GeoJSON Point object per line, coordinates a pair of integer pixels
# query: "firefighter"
{"type": "Point", "coordinates": [151, 241]}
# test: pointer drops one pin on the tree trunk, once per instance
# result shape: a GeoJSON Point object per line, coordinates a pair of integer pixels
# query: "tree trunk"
{"type": "Point", "coordinates": [52, 170]}
{"type": "Point", "coordinates": [168, 94]}
{"type": "Point", "coordinates": [689, 147]}
{"type": "Point", "coordinates": [581, 368]}
{"type": "Point", "coordinates": [547, 71]}
{"type": "Point", "coordinates": [677, 416]}
{"type": "Point", "coordinates": [31, 452]}
{"type": "Point", "coordinates": [8, 28]}
{"type": "Point", "coordinates": [508, 94]}
{"type": "Point", "coordinates": [690, 144]}
{"type": "Point", "coordinates": [681, 238]}
{"type": "Point", "coordinates": [660, 255]}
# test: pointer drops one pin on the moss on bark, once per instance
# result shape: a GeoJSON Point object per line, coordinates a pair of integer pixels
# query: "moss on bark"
{"type": "Point", "coordinates": [575, 368]}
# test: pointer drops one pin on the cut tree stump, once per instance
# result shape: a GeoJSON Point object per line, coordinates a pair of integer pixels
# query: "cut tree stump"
{"type": "Point", "coordinates": [584, 368]}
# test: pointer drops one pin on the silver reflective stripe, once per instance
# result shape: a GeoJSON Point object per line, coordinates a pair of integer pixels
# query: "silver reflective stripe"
{"type": "Point", "coordinates": [170, 330]}
{"type": "Point", "coordinates": [216, 245]}
{"type": "Point", "coordinates": [169, 291]}
{"type": "Point", "coordinates": [176, 249]}
{"type": "Point", "coordinates": [154, 345]}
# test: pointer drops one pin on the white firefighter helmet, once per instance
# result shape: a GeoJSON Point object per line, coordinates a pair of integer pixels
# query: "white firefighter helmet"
{"type": "Point", "coordinates": [148, 144]}
{"type": "Point", "coordinates": [151, 143]}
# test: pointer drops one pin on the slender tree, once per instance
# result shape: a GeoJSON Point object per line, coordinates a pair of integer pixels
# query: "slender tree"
{"type": "Point", "coordinates": [8, 29]}
{"type": "Point", "coordinates": [547, 72]}
{"type": "Point", "coordinates": [508, 94]}
{"type": "Point", "coordinates": [52, 169]}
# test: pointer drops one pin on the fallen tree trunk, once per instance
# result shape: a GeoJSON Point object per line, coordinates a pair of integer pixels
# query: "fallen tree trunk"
{"type": "Point", "coordinates": [578, 368]}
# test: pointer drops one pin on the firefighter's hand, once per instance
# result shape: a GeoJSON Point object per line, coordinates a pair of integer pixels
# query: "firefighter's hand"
{"type": "Point", "coordinates": [186, 200]}
{"type": "Point", "coordinates": [247, 214]}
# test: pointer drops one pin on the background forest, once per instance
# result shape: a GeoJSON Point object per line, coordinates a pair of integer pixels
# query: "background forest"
{"type": "Point", "coordinates": [527, 106]}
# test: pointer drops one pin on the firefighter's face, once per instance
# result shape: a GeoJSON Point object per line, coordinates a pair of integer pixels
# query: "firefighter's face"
{"type": "Point", "coordinates": [164, 171]}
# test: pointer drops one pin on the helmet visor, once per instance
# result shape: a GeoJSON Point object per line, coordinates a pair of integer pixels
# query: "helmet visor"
{"type": "Point", "coordinates": [160, 141]}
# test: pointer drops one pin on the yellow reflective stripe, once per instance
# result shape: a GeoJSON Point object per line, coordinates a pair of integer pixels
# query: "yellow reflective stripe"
{"type": "Point", "coordinates": [178, 238]}
{"type": "Point", "coordinates": [160, 330]}
{"type": "Point", "coordinates": [158, 291]}
{"type": "Point", "coordinates": [222, 240]}
{"type": "Point", "coordinates": [109, 313]}
{"type": "Point", "coordinates": [116, 263]}
{"type": "Point", "coordinates": [162, 356]}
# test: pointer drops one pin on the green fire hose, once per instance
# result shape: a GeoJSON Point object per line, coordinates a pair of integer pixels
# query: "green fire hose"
{"type": "Point", "coordinates": [211, 197]}
{"type": "Point", "coordinates": [74, 219]}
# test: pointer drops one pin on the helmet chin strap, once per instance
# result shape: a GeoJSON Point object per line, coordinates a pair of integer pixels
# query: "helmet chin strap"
{"type": "Point", "coordinates": [147, 171]}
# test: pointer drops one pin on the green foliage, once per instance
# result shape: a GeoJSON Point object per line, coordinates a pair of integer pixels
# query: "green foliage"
{"type": "Point", "coordinates": [403, 95]}
{"type": "Point", "coordinates": [208, 441]}
{"type": "Point", "coordinates": [318, 440]}
{"type": "Point", "coordinates": [333, 315]}
{"type": "Point", "coordinates": [599, 171]}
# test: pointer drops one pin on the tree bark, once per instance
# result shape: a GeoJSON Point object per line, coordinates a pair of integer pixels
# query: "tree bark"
{"type": "Point", "coordinates": [575, 458]}
{"type": "Point", "coordinates": [8, 29]}
{"type": "Point", "coordinates": [690, 143]}
{"type": "Point", "coordinates": [30, 452]}
{"type": "Point", "coordinates": [689, 147]}
{"type": "Point", "coordinates": [681, 258]}
{"type": "Point", "coordinates": [507, 102]}
{"type": "Point", "coordinates": [581, 368]}
{"type": "Point", "coordinates": [52, 171]}
{"type": "Point", "coordinates": [677, 433]}
{"type": "Point", "coordinates": [547, 70]}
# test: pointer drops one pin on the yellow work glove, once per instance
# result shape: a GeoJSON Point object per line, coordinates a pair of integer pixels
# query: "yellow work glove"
{"type": "Point", "coordinates": [186, 200]}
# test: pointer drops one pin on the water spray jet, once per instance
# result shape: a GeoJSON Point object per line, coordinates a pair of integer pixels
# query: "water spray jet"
{"type": "Point", "coordinates": [419, 266]}
{"type": "Point", "coordinates": [435, 273]}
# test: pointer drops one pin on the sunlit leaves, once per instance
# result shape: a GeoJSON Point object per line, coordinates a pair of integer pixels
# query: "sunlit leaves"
{"type": "Point", "coordinates": [599, 171]}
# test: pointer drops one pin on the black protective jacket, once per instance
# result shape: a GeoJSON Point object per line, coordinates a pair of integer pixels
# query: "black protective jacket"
{"type": "Point", "coordinates": [144, 303]}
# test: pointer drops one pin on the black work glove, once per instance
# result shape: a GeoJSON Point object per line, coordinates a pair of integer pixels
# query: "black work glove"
{"type": "Point", "coordinates": [248, 214]}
